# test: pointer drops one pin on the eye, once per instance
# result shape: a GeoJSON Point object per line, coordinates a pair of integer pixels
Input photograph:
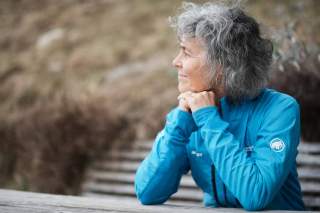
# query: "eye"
{"type": "Point", "coordinates": [185, 53]}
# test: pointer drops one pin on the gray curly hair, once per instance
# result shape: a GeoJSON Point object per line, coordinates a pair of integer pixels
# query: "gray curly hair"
{"type": "Point", "coordinates": [232, 40]}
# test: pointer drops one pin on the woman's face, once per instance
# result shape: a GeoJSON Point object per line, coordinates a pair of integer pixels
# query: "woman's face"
{"type": "Point", "coordinates": [191, 65]}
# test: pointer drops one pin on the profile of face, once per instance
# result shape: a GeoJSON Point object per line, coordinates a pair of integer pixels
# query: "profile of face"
{"type": "Point", "coordinates": [191, 66]}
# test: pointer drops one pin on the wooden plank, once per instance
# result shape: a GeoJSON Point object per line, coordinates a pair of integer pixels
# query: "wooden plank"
{"type": "Point", "coordinates": [126, 166]}
{"type": "Point", "coordinates": [311, 148]}
{"type": "Point", "coordinates": [46, 209]}
{"type": "Point", "coordinates": [130, 155]}
{"type": "Point", "coordinates": [143, 145]}
{"type": "Point", "coordinates": [312, 202]}
{"type": "Point", "coordinates": [23, 202]}
{"type": "Point", "coordinates": [310, 187]}
{"type": "Point", "coordinates": [121, 197]}
{"type": "Point", "coordinates": [309, 173]}
{"type": "Point", "coordinates": [122, 177]}
{"type": "Point", "coordinates": [16, 201]}
{"type": "Point", "coordinates": [305, 159]}
{"type": "Point", "coordinates": [123, 166]}
{"type": "Point", "coordinates": [121, 189]}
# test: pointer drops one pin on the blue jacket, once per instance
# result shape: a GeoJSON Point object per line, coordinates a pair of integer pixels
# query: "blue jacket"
{"type": "Point", "coordinates": [241, 156]}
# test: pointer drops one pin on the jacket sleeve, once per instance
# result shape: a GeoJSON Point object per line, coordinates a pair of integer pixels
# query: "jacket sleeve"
{"type": "Point", "coordinates": [254, 180]}
{"type": "Point", "coordinates": [159, 174]}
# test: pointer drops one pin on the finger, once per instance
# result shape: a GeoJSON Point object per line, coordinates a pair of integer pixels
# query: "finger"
{"type": "Point", "coordinates": [180, 97]}
{"type": "Point", "coordinates": [207, 93]}
{"type": "Point", "coordinates": [185, 95]}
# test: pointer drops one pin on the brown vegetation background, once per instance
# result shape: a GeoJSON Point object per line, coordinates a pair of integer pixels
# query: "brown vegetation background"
{"type": "Point", "coordinates": [77, 76]}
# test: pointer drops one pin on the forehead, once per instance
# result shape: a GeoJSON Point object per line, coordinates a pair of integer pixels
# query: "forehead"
{"type": "Point", "coordinates": [192, 44]}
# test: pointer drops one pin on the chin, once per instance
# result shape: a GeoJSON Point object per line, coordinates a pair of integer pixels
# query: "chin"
{"type": "Point", "coordinates": [183, 89]}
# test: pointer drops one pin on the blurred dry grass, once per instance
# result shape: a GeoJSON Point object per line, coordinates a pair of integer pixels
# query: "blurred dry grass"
{"type": "Point", "coordinates": [77, 76]}
{"type": "Point", "coordinates": [46, 148]}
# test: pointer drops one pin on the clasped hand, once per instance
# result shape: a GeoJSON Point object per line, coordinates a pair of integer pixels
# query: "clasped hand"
{"type": "Point", "coordinates": [192, 101]}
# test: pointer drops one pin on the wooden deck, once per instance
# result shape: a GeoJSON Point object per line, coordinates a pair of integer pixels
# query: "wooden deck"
{"type": "Point", "coordinates": [16, 201]}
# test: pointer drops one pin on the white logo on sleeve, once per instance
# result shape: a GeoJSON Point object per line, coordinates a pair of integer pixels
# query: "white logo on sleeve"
{"type": "Point", "coordinates": [197, 154]}
{"type": "Point", "coordinates": [277, 145]}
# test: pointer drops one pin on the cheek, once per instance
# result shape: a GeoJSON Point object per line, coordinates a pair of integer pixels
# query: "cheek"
{"type": "Point", "coordinates": [200, 80]}
{"type": "Point", "coordinates": [191, 68]}
{"type": "Point", "coordinates": [196, 79]}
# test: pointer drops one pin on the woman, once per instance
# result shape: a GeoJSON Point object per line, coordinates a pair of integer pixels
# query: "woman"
{"type": "Point", "coordinates": [238, 138]}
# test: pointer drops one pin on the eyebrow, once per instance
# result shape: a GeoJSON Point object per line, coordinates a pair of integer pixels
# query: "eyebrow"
{"type": "Point", "coordinates": [185, 48]}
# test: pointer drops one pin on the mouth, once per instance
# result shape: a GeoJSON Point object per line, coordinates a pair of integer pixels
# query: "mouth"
{"type": "Point", "coordinates": [182, 76]}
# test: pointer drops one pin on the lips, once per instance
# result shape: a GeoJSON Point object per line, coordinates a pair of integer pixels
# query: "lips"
{"type": "Point", "coordinates": [182, 76]}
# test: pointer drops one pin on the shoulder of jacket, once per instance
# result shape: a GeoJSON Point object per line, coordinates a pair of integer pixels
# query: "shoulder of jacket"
{"type": "Point", "coordinates": [273, 98]}
{"type": "Point", "coordinates": [273, 95]}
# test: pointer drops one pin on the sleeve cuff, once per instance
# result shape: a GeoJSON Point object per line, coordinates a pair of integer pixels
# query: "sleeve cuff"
{"type": "Point", "coordinates": [180, 123]}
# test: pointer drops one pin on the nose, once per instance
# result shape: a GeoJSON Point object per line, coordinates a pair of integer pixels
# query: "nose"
{"type": "Point", "coordinates": [177, 62]}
